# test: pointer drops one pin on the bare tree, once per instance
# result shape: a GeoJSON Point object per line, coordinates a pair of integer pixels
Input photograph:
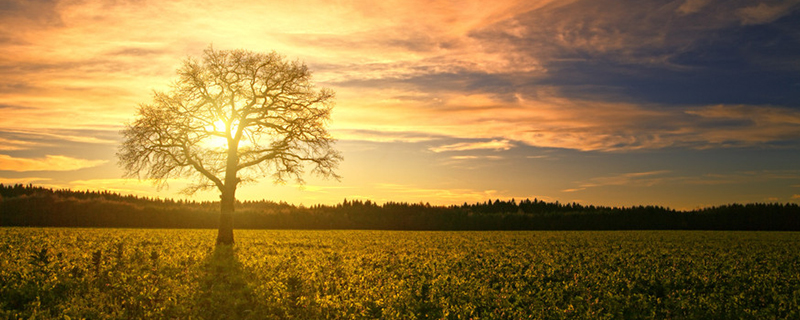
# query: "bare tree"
{"type": "Point", "coordinates": [232, 117]}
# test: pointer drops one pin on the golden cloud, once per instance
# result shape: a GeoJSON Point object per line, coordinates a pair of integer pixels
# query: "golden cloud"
{"type": "Point", "coordinates": [48, 163]}
{"type": "Point", "coordinates": [26, 180]}
{"type": "Point", "coordinates": [546, 119]}
{"type": "Point", "coordinates": [12, 145]}
{"type": "Point", "coordinates": [446, 195]}
{"type": "Point", "coordinates": [648, 178]}
{"type": "Point", "coordinates": [464, 146]}
{"type": "Point", "coordinates": [409, 48]}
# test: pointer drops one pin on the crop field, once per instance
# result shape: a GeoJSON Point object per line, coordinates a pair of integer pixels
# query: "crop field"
{"type": "Point", "coordinates": [179, 274]}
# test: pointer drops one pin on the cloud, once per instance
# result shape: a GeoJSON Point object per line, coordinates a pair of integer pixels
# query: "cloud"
{"type": "Point", "coordinates": [744, 125]}
{"type": "Point", "coordinates": [692, 6]}
{"type": "Point", "coordinates": [26, 180]}
{"type": "Point", "coordinates": [401, 39]}
{"type": "Point", "coordinates": [643, 179]}
{"type": "Point", "coordinates": [765, 12]}
{"type": "Point", "coordinates": [382, 135]}
{"type": "Point", "coordinates": [645, 33]}
{"type": "Point", "coordinates": [45, 141]}
{"type": "Point", "coordinates": [545, 118]}
{"type": "Point", "coordinates": [476, 157]}
{"type": "Point", "coordinates": [447, 195]}
{"type": "Point", "coordinates": [321, 189]}
{"type": "Point", "coordinates": [744, 177]}
{"type": "Point", "coordinates": [13, 145]}
{"type": "Point", "coordinates": [29, 138]}
{"type": "Point", "coordinates": [544, 73]}
{"type": "Point", "coordinates": [25, 14]}
{"type": "Point", "coordinates": [796, 196]}
{"type": "Point", "coordinates": [124, 186]}
{"type": "Point", "coordinates": [433, 193]}
{"type": "Point", "coordinates": [659, 177]}
{"type": "Point", "coordinates": [48, 163]}
{"type": "Point", "coordinates": [485, 145]}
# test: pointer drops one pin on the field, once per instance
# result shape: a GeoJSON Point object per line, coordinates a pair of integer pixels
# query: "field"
{"type": "Point", "coordinates": [179, 274]}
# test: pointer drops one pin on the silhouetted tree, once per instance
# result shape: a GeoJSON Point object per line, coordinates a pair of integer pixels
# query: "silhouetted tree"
{"type": "Point", "coordinates": [232, 117]}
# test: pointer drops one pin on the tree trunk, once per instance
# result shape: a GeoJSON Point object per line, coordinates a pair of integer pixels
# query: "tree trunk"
{"type": "Point", "coordinates": [228, 197]}
{"type": "Point", "coordinates": [225, 234]}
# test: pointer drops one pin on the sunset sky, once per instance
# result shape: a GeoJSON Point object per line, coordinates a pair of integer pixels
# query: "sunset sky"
{"type": "Point", "coordinates": [685, 104]}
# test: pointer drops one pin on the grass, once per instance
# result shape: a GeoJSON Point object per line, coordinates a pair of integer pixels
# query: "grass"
{"type": "Point", "coordinates": [179, 274]}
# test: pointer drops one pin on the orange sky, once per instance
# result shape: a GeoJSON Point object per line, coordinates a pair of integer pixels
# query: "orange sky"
{"type": "Point", "coordinates": [599, 102]}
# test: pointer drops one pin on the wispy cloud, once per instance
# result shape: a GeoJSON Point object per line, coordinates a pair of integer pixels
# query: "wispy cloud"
{"type": "Point", "coordinates": [692, 6]}
{"type": "Point", "coordinates": [12, 145]}
{"type": "Point", "coordinates": [25, 180]}
{"type": "Point", "coordinates": [545, 119]}
{"type": "Point", "coordinates": [446, 195]}
{"type": "Point", "coordinates": [482, 145]}
{"type": "Point", "coordinates": [476, 157]}
{"type": "Point", "coordinates": [471, 162]}
{"type": "Point", "coordinates": [48, 163]}
{"type": "Point", "coordinates": [26, 139]}
{"type": "Point", "coordinates": [765, 12]}
{"type": "Point", "coordinates": [460, 79]}
{"type": "Point", "coordinates": [125, 186]}
{"type": "Point", "coordinates": [660, 177]}
{"type": "Point", "coordinates": [646, 179]}
{"type": "Point", "coordinates": [382, 135]}
{"type": "Point", "coordinates": [321, 189]}
{"type": "Point", "coordinates": [505, 70]}
{"type": "Point", "coordinates": [743, 125]}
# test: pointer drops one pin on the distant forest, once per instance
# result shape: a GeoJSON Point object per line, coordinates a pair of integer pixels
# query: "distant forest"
{"type": "Point", "coordinates": [28, 205]}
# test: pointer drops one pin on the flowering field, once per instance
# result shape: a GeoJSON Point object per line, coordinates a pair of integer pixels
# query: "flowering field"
{"type": "Point", "coordinates": [138, 273]}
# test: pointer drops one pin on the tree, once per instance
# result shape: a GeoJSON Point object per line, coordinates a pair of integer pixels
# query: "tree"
{"type": "Point", "coordinates": [232, 117]}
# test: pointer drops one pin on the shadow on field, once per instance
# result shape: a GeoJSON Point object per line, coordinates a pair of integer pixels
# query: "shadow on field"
{"type": "Point", "coordinates": [223, 291]}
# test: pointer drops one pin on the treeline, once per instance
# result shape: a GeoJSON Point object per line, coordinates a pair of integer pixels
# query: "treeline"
{"type": "Point", "coordinates": [28, 205]}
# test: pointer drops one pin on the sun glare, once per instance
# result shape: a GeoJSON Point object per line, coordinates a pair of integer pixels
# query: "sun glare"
{"type": "Point", "coordinates": [216, 142]}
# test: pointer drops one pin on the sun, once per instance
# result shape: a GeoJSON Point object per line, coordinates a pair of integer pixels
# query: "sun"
{"type": "Point", "coordinates": [215, 139]}
{"type": "Point", "coordinates": [216, 142]}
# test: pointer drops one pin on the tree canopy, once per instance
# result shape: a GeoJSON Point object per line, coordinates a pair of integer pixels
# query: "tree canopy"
{"type": "Point", "coordinates": [233, 116]}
